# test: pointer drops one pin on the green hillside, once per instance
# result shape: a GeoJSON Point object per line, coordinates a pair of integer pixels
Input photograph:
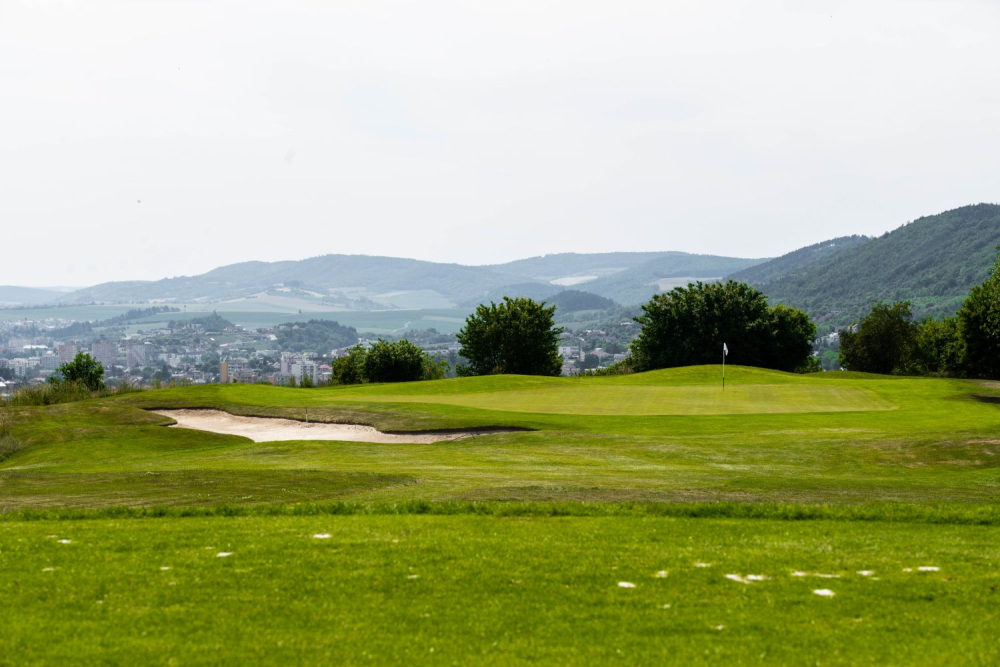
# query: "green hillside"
{"type": "Point", "coordinates": [932, 261]}
{"type": "Point", "coordinates": [777, 268]}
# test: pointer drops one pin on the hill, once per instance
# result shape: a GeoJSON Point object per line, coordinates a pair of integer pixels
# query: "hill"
{"type": "Point", "coordinates": [570, 268]}
{"type": "Point", "coordinates": [27, 296]}
{"type": "Point", "coordinates": [361, 282]}
{"type": "Point", "coordinates": [776, 268]}
{"type": "Point", "coordinates": [932, 261]}
{"type": "Point", "coordinates": [335, 279]}
{"type": "Point", "coordinates": [639, 283]}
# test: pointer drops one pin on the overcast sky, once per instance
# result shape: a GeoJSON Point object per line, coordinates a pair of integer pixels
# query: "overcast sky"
{"type": "Point", "coordinates": [149, 139]}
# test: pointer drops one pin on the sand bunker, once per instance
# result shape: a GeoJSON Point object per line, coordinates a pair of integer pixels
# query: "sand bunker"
{"type": "Point", "coordinates": [269, 429]}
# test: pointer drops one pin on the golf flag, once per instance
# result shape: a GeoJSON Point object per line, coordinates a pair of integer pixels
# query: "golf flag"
{"type": "Point", "coordinates": [725, 353]}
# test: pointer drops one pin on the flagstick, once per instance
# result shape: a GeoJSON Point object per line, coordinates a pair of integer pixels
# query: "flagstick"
{"type": "Point", "coordinates": [723, 367]}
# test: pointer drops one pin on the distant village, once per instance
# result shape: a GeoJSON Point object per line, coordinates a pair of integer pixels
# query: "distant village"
{"type": "Point", "coordinates": [203, 352]}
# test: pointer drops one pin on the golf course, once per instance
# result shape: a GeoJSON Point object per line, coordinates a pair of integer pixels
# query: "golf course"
{"type": "Point", "coordinates": [827, 518]}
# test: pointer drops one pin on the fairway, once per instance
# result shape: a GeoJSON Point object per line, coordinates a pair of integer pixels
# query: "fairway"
{"type": "Point", "coordinates": [619, 521]}
{"type": "Point", "coordinates": [645, 400]}
{"type": "Point", "coordinates": [488, 590]}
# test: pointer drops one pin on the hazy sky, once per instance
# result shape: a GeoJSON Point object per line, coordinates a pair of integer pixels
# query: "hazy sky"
{"type": "Point", "coordinates": [149, 139]}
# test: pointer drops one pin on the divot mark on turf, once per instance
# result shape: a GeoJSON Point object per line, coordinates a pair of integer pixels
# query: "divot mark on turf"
{"type": "Point", "coordinates": [929, 568]}
{"type": "Point", "coordinates": [824, 592]}
{"type": "Point", "coordinates": [866, 573]}
{"type": "Point", "coordinates": [321, 536]}
{"type": "Point", "coordinates": [703, 565]}
{"type": "Point", "coordinates": [748, 579]}
{"type": "Point", "coordinates": [662, 574]}
{"type": "Point", "coordinates": [65, 541]}
{"type": "Point", "coordinates": [223, 554]}
{"type": "Point", "coordinates": [626, 584]}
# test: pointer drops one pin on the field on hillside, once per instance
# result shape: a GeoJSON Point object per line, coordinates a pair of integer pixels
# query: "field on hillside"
{"type": "Point", "coordinates": [445, 320]}
{"type": "Point", "coordinates": [622, 523]}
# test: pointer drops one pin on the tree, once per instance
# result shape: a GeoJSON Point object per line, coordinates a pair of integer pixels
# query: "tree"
{"type": "Point", "coordinates": [883, 341]}
{"type": "Point", "coordinates": [688, 325]}
{"type": "Point", "coordinates": [938, 348]}
{"type": "Point", "coordinates": [979, 322]}
{"type": "Point", "coordinates": [792, 335]}
{"type": "Point", "coordinates": [516, 336]}
{"type": "Point", "coordinates": [85, 370]}
{"type": "Point", "coordinates": [349, 369]}
{"type": "Point", "coordinates": [401, 361]}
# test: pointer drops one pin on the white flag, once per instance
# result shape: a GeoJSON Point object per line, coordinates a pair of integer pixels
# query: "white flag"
{"type": "Point", "coordinates": [725, 350]}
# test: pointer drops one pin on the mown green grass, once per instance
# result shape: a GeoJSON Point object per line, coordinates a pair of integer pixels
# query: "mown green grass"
{"type": "Point", "coordinates": [486, 590]}
{"type": "Point", "coordinates": [938, 442]}
{"type": "Point", "coordinates": [518, 539]}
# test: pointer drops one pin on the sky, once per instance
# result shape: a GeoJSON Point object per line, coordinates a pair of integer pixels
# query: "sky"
{"type": "Point", "coordinates": [148, 139]}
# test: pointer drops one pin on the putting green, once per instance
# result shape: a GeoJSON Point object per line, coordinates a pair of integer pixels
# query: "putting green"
{"type": "Point", "coordinates": [657, 400]}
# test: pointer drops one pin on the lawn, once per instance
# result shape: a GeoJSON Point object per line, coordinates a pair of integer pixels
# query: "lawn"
{"type": "Point", "coordinates": [489, 590]}
{"type": "Point", "coordinates": [518, 540]}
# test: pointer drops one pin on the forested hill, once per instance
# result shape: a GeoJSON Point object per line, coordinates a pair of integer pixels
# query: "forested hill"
{"type": "Point", "coordinates": [776, 268]}
{"type": "Point", "coordinates": [932, 262]}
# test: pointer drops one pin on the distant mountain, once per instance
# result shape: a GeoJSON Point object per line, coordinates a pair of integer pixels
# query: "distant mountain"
{"type": "Point", "coordinates": [26, 296]}
{"type": "Point", "coordinates": [572, 268]}
{"type": "Point", "coordinates": [325, 277]}
{"type": "Point", "coordinates": [663, 272]}
{"type": "Point", "coordinates": [573, 301]}
{"type": "Point", "coordinates": [776, 268]}
{"type": "Point", "coordinates": [355, 282]}
{"type": "Point", "coordinates": [932, 262]}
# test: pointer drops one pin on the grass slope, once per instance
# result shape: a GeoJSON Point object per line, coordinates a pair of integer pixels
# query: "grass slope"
{"type": "Point", "coordinates": [663, 436]}
{"type": "Point", "coordinates": [509, 548]}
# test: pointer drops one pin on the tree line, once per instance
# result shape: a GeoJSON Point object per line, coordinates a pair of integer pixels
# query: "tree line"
{"type": "Point", "coordinates": [889, 341]}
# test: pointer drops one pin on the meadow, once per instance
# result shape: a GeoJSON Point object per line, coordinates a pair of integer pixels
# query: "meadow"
{"type": "Point", "coordinates": [834, 518]}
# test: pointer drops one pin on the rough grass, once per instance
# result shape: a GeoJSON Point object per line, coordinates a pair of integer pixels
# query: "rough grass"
{"type": "Point", "coordinates": [489, 590]}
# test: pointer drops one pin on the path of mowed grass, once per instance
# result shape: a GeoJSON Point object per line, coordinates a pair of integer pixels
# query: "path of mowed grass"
{"type": "Point", "coordinates": [488, 590]}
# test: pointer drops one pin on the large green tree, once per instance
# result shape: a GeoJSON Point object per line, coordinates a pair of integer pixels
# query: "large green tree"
{"type": "Point", "coordinates": [883, 342]}
{"type": "Point", "coordinates": [979, 322]}
{"type": "Point", "coordinates": [85, 370]}
{"type": "Point", "coordinates": [401, 361]}
{"type": "Point", "coordinates": [516, 336]}
{"type": "Point", "coordinates": [688, 325]}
